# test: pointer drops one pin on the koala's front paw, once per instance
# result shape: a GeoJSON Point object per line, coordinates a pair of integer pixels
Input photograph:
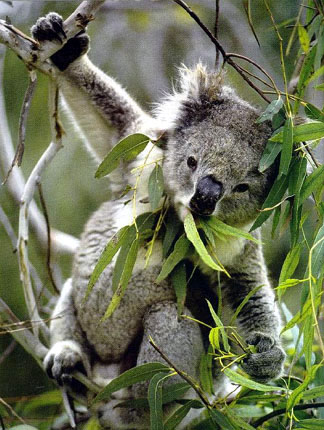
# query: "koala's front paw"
{"type": "Point", "coordinates": [267, 362]}
{"type": "Point", "coordinates": [62, 359]}
{"type": "Point", "coordinates": [51, 28]}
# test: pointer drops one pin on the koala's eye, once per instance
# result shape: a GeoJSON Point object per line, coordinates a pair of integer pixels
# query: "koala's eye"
{"type": "Point", "coordinates": [192, 163]}
{"type": "Point", "coordinates": [241, 188]}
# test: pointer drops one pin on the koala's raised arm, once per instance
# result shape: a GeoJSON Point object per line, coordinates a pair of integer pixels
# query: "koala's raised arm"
{"type": "Point", "coordinates": [101, 108]}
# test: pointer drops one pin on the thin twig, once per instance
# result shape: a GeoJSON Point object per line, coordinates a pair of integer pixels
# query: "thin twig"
{"type": "Point", "coordinates": [220, 48]}
{"type": "Point", "coordinates": [22, 123]}
{"type": "Point", "coordinates": [282, 411]}
{"type": "Point", "coordinates": [24, 337]}
{"type": "Point", "coordinates": [68, 406]}
{"type": "Point", "coordinates": [183, 375]}
{"type": "Point", "coordinates": [49, 243]}
{"type": "Point", "coordinates": [216, 25]}
{"type": "Point", "coordinates": [12, 411]}
{"type": "Point", "coordinates": [62, 242]}
{"type": "Point", "coordinates": [10, 348]}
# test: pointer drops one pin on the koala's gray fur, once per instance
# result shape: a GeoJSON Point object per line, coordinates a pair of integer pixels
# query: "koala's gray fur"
{"type": "Point", "coordinates": [204, 120]}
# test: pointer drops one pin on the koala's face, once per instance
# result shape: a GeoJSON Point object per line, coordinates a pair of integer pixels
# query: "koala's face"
{"type": "Point", "coordinates": [211, 165]}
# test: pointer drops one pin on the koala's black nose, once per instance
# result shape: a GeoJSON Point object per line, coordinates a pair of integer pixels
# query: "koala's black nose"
{"type": "Point", "coordinates": [208, 192]}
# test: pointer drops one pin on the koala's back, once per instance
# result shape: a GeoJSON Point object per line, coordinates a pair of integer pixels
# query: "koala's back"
{"type": "Point", "coordinates": [111, 338]}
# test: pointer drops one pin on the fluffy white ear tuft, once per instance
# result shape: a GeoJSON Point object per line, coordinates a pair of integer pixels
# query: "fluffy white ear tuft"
{"type": "Point", "coordinates": [194, 85]}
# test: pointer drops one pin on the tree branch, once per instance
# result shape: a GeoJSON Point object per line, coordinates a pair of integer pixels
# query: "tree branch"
{"type": "Point", "coordinates": [62, 242]}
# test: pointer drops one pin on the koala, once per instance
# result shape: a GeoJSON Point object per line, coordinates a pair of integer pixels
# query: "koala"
{"type": "Point", "coordinates": [210, 157]}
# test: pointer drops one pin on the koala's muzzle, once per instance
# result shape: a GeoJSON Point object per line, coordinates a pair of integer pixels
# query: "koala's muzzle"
{"type": "Point", "coordinates": [208, 192]}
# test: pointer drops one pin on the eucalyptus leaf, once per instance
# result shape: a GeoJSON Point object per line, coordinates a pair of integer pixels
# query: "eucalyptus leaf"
{"type": "Point", "coordinates": [287, 147]}
{"type": "Point", "coordinates": [274, 197]}
{"type": "Point", "coordinates": [269, 155]}
{"type": "Point", "coordinates": [205, 372]}
{"type": "Point", "coordinates": [313, 393]}
{"type": "Point", "coordinates": [313, 112]}
{"type": "Point", "coordinates": [221, 420]}
{"type": "Point", "coordinates": [125, 150]}
{"type": "Point", "coordinates": [303, 38]}
{"type": "Point", "coordinates": [273, 108]}
{"type": "Point", "coordinates": [124, 279]}
{"type": "Point", "coordinates": [193, 236]}
{"type": "Point", "coordinates": [227, 230]}
{"type": "Point", "coordinates": [249, 383]}
{"type": "Point", "coordinates": [179, 282]}
{"type": "Point", "coordinates": [155, 401]}
{"type": "Point", "coordinates": [297, 393]}
{"type": "Point", "coordinates": [312, 183]}
{"type": "Point", "coordinates": [317, 260]}
{"type": "Point", "coordinates": [106, 256]}
{"type": "Point", "coordinates": [311, 424]}
{"type": "Point", "coordinates": [132, 376]}
{"type": "Point", "coordinates": [172, 226]}
{"type": "Point", "coordinates": [232, 414]}
{"type": "Point", "coordinates": [303, 132]}
{"type": "Point", "coordinates": [179, 252]}
{"type": "Point", "coordinates": [155, 187]}
{"type": "Point", "coordinates": [172, 392]}
{"type": "Point", "coordinates": [219, 324]}
{"type": "Point", "coordinates": [289, 266]}
{"type": "Point", "coordinates": [178, 416]}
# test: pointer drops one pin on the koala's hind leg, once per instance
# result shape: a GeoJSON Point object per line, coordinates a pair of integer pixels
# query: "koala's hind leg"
{"type": "Point", "coordinates": [67, 351]}
{"type": "Point", "coordinates": [180, 340]}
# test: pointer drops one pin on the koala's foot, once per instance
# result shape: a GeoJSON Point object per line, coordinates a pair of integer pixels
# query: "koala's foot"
{"type": "Point", "coordinates": [62, 359]}
{"type": "Point", "coordinates": [267, 362]}
{"type": "Point", "coordinates": [50, 28]}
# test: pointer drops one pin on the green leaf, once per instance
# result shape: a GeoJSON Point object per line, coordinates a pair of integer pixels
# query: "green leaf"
{"type": "Point", "coordinates": [269, 155]}
{"type": "Point", "coordinates": [274, 197]}
{"type": "Point", "coordinates": [130, 377]}
{"type": "Point", "coordinates": [155, 187]}
{"type": "Point", "coordinates": [172, 392]}
{"type": "Point", "coordinates": [219, 324]}
{"type": "Point", "coordinates": [306, 71]}
{"type": "Point", "coordinates": [125, 150]}
{"type": "Point", "coordinates": [297, 175]}
{"type": "Point", "coordinates": [245, 382]}
{"type": "Point", "coordinates": [214, 337]}
{"type": "Point", "coordinates": [178, 416]}
{"type": "Point", "coordinates": [193, 236]}
{"type": "Point", "coordinates": [319, 87]}
{"type": "Point", "coordinates": [287, 147]}
{"type": "Point", "coordinates": [155, 401]}
{"type": "Point", "coordinates": [179, 282]}
{"type": "Point", "coordinates": [313, 112]}
{"type": "Point", "coordinates": [317, 261]}
{"type": "Point", "coordinates": [227, 230]}
{"type": "Point", "coordinates": [308, 338]}
{"type": "Point", "coordinates": [106, 256]}
{"type": "Point", "coordinates": [289, 266]}
{"type": "Point", "coordinates": [179, 252]}
{"type": "Point", "coordinates": [273, 108]}
{"type": "Point", "coordinates": [303, 39]}
{"type": "Point", "coordinates": [221, 420]}
{"type": "Point", "coordinates": [122, 257]}
{"type": "Point", "coordinates": [205, 372]}
{"type": "Point", "coordinates": [125, 277]}
{"type": "Point", "coordinates": [172, 227]}
{"type": "Point", "coordinates": [296, 395]}
{"type": "Point", "coordinates": [231, 413]}
{"type": "Point", "coordinates": [311, 424]}
{"type": "Point", "coordinates": [311, 183]}
{"type": "Point", "coordinates": [303, 132]}
{"type": "Point", "coordinates": [313, 393]}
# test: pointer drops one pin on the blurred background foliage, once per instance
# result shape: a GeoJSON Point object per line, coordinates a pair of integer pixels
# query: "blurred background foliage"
{"type": "Point", "coordinates": [140, 43]}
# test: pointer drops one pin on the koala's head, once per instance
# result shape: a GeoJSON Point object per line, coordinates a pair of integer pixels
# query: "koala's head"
{"type": "Point", "coordinates": [213, 149]}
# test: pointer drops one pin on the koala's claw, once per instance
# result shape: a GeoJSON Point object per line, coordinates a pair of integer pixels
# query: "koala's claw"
{"type": "Point", "coordinates": [49, 27]}
{"type": "Point", "coordinates": [61, 360]}
{"type": "Point", "coordinates": [267, 362]}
